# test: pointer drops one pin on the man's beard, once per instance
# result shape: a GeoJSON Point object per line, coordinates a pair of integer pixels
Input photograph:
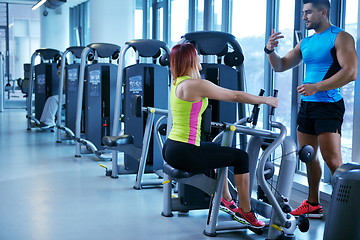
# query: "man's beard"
{"type": "Point", "coordinates": [312, 26]}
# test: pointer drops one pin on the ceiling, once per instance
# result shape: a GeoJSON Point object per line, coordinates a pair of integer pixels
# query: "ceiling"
{"type": "Point", "coordinates": [19, 1]}
{"type": "Point", "coordinates": [70, 2]}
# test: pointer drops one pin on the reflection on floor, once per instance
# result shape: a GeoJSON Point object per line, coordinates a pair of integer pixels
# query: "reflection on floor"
{"type": "Point", "coordinates": [48, 194]}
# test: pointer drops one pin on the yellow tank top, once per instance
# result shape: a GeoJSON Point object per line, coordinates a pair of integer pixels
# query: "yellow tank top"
{"type": "Point", "coordinates": [186, 117]}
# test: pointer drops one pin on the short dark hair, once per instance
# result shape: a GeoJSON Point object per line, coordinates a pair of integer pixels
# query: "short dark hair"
{"type": "Point", "coordinates": [319, 5]}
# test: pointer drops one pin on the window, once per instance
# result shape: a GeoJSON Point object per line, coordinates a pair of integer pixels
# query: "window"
{"type": "Point", "coordinates": [160, 18]}
{"type": "Point", "coordinates": [24, 34]}
{"type": "Point", "coordinates": [138, 20]}
{"type": "Point", "coordinates": [24, 39]}
{"type": "Point", "coordinates": [160, 29]}
{"type": "Point", "coordinates": [199, 16]}
{"type": "Point", "coordinates": [283, 81]}
{"type": "Point", "coordinates": [347, 91]}
{"type": "Point", "coordinates": [80, 25]}
{"type": "Point", "coordinates": [179, 20]}
{"type": "Point", "coordinates": [218, 15]}
{"type": "Point", "coordinates": [251, 38]}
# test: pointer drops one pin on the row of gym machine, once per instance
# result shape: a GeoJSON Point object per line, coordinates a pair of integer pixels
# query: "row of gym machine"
{"type": "Point", "coordinates": [118, 110]}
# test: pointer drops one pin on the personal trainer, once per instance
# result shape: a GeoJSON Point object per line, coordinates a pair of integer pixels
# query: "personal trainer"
{"type": "Point", "coordinates": [331, 62]}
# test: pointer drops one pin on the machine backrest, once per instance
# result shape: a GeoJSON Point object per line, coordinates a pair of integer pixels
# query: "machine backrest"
{"type": "Point", "coordinates": [226, 71]}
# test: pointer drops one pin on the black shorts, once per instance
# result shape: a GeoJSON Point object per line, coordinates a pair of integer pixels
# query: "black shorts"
{"type": "Point", "coordinates": [318, 117]}
{"type": "Point", "coordinates": [207, 156]}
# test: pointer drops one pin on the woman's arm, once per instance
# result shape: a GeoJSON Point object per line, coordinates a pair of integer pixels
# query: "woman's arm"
{"type": "Point", "coordinates": [195, 89]}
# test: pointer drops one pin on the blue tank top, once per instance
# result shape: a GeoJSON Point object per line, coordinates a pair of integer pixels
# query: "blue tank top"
{"type": "Point", "coordinates": [319, 55]}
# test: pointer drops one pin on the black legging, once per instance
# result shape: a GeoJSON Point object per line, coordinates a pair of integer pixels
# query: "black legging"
{"type": "Point", "coordinates": [208, 155]}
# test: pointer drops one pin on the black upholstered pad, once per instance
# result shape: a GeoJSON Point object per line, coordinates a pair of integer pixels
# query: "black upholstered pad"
{"type": "Point", "coordinates": [113, 141]}
{"type": "Point", "coordinates": [176, 173]}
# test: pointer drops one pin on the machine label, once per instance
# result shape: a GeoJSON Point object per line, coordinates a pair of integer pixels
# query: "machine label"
{"type": "Point", "coordinates": [41, 86]}
{"type": "Point", "coordinates": [72, 79]}
{"type": "Point", "coordinates": [135, 83]}
{"type": "Point", "coordinates": [94, 81]}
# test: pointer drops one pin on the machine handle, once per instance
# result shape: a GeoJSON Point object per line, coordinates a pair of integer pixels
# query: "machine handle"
{"type": "Point", "coordinates": [256, 109]}
{"type": "Point", "coordinates": [255, 112]}
{"type": "Point", "coordinates": [272, 110]}
{"type": "Point", "coordinates": [137, 104]}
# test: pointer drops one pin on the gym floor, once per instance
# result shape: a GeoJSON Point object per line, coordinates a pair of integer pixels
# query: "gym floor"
{"type": "Point", "coordinates": [48, 194]}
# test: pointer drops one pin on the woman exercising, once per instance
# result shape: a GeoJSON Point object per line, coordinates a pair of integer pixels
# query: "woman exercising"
{"type": "Point", "coordinates": [183, 150]}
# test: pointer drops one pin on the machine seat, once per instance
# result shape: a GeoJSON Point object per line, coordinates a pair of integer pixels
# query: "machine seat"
{"type": "Point", "coordinates": [176, 173]}
{"type": "Point", "coordinates": [114, 141]}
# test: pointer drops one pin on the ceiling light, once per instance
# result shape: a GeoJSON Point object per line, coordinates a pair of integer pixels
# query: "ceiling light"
{"type": "Point", "coordinates": [38, 4]}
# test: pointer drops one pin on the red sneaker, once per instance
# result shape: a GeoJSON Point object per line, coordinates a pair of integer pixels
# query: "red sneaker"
{"type": "Point", "coordinates": [308, 210]}
{"type": "Point", "coordinates": [229, 207]}
{"type": "Point", "coordinates": [248, 219]}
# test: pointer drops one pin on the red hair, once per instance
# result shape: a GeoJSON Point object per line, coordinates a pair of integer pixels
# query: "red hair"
{"type": "Point", "coordinates": [182, 59]}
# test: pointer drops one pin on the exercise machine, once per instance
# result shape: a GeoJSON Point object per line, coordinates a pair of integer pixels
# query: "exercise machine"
{"type": "Point", "coordinates": [342, 219]}
{"type": "Point", "coordinates": [2, 82]}
{"type": "Point", "coordinates": [94, 108]}
{"type": "Point", "coordinates": [281, 223]}
{"type": "Point", "coordinates": [125, 143]}
{"type": "Point", "coordinates": [226, 71]}
{"type": "Point", "coordinates": [43, 83]}
{"type": "Point", "coordinates": [148, 83]}
{"type": "Point", "coordinates": [24, 83]}
{"type": "Point", "coordinates": [222, 64]}
{"type": "Point", "coordinates": [69, 81]}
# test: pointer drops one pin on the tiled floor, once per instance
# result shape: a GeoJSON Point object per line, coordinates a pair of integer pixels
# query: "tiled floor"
{"type": "Point", "coordinates": [48, 194]}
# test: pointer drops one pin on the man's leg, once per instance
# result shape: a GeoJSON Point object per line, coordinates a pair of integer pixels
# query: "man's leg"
{"type": "Point", "coordinates": [313, 167]}
{"type": "Point", "coordinates": [330, 146]}
{"type": "Point", "coordinates": [49, 111]}
{"type": "Point", "coordinates": [311, 206]}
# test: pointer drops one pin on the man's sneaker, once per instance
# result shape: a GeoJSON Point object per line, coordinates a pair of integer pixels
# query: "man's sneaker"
{"type": "Point", "coordinates": [44, 126]}
{"type": "Point", "coordinates": [228, 206]}
{"type": "Point", "coordinates": [309, 210]}
{"type": "Point", "coordinates": [248, 219]}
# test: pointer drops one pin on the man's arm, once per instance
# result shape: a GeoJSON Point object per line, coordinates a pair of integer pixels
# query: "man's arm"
{"type": "Point", "coordinates": [290, 60]}
{"type": "Point", "coordinates": [348, 60]}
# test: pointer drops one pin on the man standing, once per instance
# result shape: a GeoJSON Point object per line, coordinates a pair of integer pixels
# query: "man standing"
{"type": "Point", "coordinates": [331, 62]}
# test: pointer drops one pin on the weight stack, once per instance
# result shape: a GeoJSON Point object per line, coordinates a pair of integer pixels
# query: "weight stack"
{"type": "Point", "coordinates": [342, 219]}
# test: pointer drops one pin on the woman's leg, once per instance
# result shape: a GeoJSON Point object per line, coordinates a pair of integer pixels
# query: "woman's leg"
{"type": "Point", "coordinates": [226, 192]}
{"type": "Point", "coordinates": [242, 184]}
{"type": "Point", "coordinates": [212, 156]}
{"type": "Point", "coordinates": [218, 156]}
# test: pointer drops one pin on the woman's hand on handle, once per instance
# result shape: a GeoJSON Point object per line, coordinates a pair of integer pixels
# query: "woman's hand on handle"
{"type": "Point", "coordinates": [271, 101]}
